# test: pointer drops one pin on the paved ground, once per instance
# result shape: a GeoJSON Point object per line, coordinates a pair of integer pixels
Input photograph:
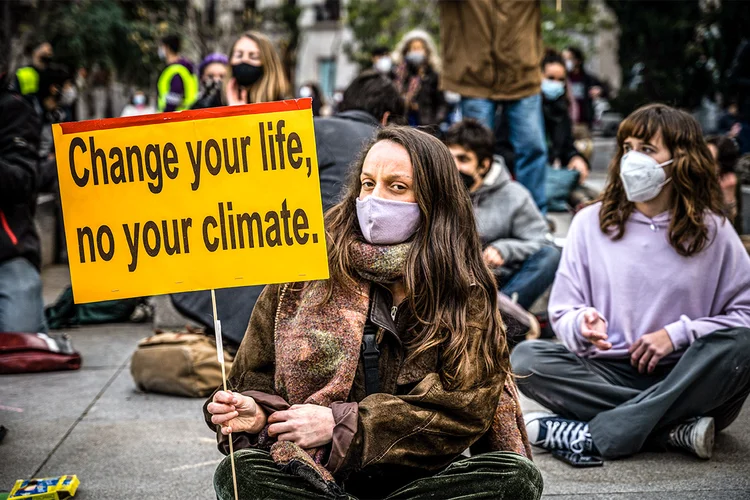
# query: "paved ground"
{"type": "Point", "coordinates": [124, 444]}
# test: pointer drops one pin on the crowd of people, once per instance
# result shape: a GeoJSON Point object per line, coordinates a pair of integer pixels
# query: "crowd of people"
{"type": "Point", "coordinates": [395, 377]}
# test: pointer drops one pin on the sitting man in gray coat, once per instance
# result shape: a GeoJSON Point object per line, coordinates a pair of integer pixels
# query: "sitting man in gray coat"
{"type": "Point", "coordinates": [370, 101]}
{"type": "Point", "coordinates": [514, 233]}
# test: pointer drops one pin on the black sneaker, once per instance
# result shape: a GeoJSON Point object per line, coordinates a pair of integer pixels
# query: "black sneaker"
{"type": "Point", "coordinates": [551, 432]}
{"type": "Point", "coordinates": [695, 435]}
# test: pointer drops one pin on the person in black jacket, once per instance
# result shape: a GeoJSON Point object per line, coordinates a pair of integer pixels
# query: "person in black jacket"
{"type": "Point", "coordinates": [417, 78]}
{"type": "Point", "coordinates": [21, 304]}
{"type": "Point", "coordinates": [369, 102]}
{"type": "Point", "coordinates": [562, 152]}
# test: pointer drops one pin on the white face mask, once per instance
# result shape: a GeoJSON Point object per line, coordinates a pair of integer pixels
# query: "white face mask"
{"type": "Point", "coordinates": [384, 65]}
{"type": "Point", "coordinates": [305, 92]}
{"type": "Point", "coordinates": [569, 65]}
{"type": "Point", "coordinates": [161, 53]}
{"type": "Point", "coordinates": [642, 178]}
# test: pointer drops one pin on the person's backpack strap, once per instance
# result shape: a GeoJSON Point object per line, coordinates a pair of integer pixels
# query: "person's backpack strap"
{"type": "Point", "coordinates": [371, 358]}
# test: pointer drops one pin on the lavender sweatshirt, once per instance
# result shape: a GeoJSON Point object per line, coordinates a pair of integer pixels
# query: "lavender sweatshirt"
{"type": "Point", "coordinates": [640, 284]}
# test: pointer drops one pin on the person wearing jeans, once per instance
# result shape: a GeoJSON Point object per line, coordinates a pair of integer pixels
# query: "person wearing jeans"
{"type": "Point", "coordinates": [514, 234]}
{"type": "Point", "coordinates": [20, 284]}
{"type": "Point", "coordinates": [492, 52]}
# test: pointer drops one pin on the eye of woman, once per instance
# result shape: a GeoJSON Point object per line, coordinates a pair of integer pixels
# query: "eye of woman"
{"type": "Point", "coordinates": [368, 184]}
{"type": "Point", "coordinates": [627, 147]}
{"type": "Point", "coordinates": [399, 187]}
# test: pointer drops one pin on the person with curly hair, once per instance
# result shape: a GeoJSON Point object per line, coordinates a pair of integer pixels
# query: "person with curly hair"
{"type": "Point", "coordinates": [651, 303]}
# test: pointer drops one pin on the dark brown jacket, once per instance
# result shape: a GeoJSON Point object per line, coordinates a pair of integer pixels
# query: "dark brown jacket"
{"type": "Point", "coordinates": [492, 49]}
{"type": "Point", "coordinates": [412, 428]}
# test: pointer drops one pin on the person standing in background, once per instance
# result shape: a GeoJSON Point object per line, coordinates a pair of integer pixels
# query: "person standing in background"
{"type": "Point", "coordinates": [26, 81]}
{"type": "Point", "coordinates": [582, 85]}
{"type": "Point", "coordinates": [417, 79]}
{"type": "Point", "coordinates": [739, 84]}
{"type": "Point", "coordinates": [382, 62]}
{"type": "Point", "coordinates": [212, 72]}
{"type": "Point", "coordinates": [177, 88]}
{"type": "Point", "coordinates": [257, 72]}
{"type": "Point", "coordinates": [492, 50]}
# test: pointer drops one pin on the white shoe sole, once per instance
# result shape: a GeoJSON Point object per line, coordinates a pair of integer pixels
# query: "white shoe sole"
{"type": "Point", "coordinates": [704, 432]}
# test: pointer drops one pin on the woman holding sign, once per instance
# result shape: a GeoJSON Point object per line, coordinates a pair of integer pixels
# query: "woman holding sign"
{"type": "Point", "coordinates": [374, 382]}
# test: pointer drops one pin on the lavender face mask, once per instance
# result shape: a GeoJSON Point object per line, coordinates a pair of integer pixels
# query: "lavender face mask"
{"type": "Point", "coordinates": [387, 222]}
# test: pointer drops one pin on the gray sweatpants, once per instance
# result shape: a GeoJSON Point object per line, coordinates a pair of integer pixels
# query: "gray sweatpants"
{"type": "Point", "coordinates": [625, 408]}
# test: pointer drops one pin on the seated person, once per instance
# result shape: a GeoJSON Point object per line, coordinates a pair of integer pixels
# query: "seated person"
{"type": "Point", "coordinates": [369, 102]}
{"type": "Point", "coordinates": [21, 300]}
{"type": "Point", "coordinates": [514, 233]}
{"type": "Point", "coordinates": [372, 381]}
{"type": "Point", "coordinates": [558, 125]}
{"type": "Point", "coordinates": [651, 302]}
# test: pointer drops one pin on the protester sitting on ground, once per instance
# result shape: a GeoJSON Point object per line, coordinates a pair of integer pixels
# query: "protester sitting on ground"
{"type": "Point", "coordinates": [382, 62]}
{"type": "Point", "coordinates": [651, 302]}
{"type": "Point", "coordinates": [21, 301]}
{"type": "Point", "coordinates": [177, 87]}
{"type": "Point", "coordinates": [726, 153]}
{"type": "Point", "coordinates": [138, 105]}
{"type": "Point", "coordinates": [563, 190]}
{"type": "Point", "coordinates": [369, 102]}
{"type": "Point", "coordinates": [514, 233]}
{"type": "Point", "coordinates": [492, 52]}
{"type": "Point", "coordinates": [212, 73]}
{"type": "Point", "coordinates": [390, 380]}
{"type": "Point", "coordinates": [417, 79]}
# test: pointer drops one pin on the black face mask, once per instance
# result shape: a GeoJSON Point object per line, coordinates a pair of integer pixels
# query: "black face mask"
{"type": "Point", "coordinates": [246, 74]}
{"type": "Point", "coordinates": [468, 180]}
{"type": "Point", "coordinates": [46, 59]}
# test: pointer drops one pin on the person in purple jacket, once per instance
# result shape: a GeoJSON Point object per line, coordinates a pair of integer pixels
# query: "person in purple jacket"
{"type": "Point", "coordinates": [651, 302]}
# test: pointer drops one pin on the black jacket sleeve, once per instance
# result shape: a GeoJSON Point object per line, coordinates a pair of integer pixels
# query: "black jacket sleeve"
{"type": "Point", "coordinates": [19, 140]}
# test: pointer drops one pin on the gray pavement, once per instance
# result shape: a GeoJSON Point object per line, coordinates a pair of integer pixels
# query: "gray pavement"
{"type": "Point", "coordinates": [124, 444]}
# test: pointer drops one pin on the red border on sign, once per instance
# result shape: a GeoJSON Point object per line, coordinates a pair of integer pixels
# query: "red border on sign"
{"type": "Point", "coordinates": [182, 116]}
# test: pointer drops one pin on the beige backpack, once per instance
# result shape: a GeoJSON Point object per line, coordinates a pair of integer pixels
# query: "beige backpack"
{"type": "Point", "coordinates": [181, 364]}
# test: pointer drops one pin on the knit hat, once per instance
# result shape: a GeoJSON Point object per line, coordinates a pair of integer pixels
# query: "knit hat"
{"type": "Point", "coordinates": [216, 57]}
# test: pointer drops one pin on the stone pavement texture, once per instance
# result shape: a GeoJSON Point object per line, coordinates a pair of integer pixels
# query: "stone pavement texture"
{"type": "Point", "coordinates": [124, 444]}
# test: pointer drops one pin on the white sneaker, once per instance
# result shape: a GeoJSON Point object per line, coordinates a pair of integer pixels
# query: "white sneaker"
{"type": "Point", "coordinates": [695, 435]}
{"type": "Point", "coordinates": [551, 432]}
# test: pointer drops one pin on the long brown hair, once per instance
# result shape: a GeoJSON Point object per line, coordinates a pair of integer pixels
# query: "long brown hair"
{"type": "Point", "coordinates": [444, 266]}
{"type": "Point", "coordinates": [696, 185]}
{"type": "Point", "coordinates": [273, 85]}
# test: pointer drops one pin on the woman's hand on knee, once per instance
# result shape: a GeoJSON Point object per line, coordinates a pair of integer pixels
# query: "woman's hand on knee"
{"type": "Point", "coordinates": [308, 426]}
{"type": "Point", "coordinates": [236, 413]}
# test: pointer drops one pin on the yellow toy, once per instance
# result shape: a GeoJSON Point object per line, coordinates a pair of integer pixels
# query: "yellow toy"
{"type": "Point", "coordinates": [51, 488]}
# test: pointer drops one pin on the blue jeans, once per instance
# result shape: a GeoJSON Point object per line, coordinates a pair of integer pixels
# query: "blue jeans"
{"type": "Point", "coordinates": [21, 303]}
{"type": "Point", "coordinates": [526, 123]}
{"type": "Point", "coordinates": [534, 277]}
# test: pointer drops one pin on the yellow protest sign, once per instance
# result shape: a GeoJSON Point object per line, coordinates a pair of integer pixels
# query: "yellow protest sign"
{"type": "Point", "coordinates": [188, 201]}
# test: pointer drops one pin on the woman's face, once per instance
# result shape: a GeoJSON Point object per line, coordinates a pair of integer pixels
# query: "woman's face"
{"type": "Point", "coordinates": [214, 71]}
{"type": "Point", "coordinates": [387, 173]}
{"type": "Point", "coordinates": [653, 147]}
{"type": "Point", "coordinates": [246, 50]}
{"type": "Point", "coordinates": [554, 71]}
{"type": "Point", "coordinates": [417, 45]}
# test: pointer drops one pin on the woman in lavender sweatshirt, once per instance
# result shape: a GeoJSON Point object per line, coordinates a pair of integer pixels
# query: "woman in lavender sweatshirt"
{"type": "Point", "coordinates": [651, 303]}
